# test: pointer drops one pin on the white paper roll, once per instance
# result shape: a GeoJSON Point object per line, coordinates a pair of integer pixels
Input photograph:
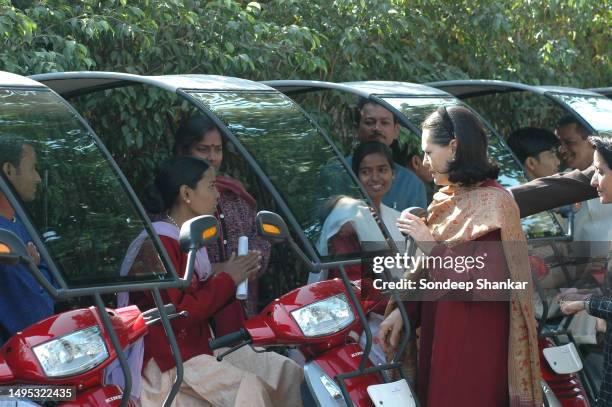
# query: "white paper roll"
{"type": "Point", "coordinates": [242, 291]}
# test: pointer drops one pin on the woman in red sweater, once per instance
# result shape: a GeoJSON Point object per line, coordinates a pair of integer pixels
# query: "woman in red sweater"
{"type": "Point", "coordinates": [185, 188]}
{"type": "Point", "coordinates": [198, 136]}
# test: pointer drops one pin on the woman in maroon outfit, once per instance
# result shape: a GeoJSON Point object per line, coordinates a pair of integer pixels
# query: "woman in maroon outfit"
{"type": "Point", "coordinates": [477, 347]}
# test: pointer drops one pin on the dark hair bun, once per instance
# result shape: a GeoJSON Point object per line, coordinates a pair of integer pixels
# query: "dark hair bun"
{"type": "Point", "coordinates": [152, 200]}
{"type": "Point", "coordinates": [171, 175]}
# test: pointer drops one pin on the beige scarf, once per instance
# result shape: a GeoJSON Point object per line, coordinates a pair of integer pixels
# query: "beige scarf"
{"type": "Point", "coordinates": [461, 214]}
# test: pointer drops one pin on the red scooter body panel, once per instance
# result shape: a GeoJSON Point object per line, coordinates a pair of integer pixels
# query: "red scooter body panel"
{"type": "Point", "coordinates": [346, 359]}
{"type": "Point", "coordinates": [19, 355]}
{"type": "Point", "coordinates": [128, 323]}
{"type": "Point", "coordinates": [6, 374]}
{"type": "Point", "coordinates": [259, 330]}
{"type": "Point", "coordinates": [101, 396]}
{"type": "Point", "coordinates": [335, 353]}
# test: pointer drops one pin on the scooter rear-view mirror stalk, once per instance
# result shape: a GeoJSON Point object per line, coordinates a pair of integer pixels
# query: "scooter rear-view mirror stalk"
{"type": "Point", "coordinates": [12, 249]}
{"type": "Point", "coordinates": [194, 234]}
{"type": "Point", "coordinates": [273, 228]}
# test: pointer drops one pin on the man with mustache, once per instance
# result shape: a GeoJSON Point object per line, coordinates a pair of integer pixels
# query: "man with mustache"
{"type": "Point", "coordinates": [375, 123]}
{"type": "Point", "coordinates": [593, 220]}
{"type": "Point", "coordinates": [575, 149]}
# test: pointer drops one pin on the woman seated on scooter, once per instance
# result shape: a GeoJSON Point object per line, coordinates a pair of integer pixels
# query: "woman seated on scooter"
{"type": "Point", "coordinates": [596, 305]}
{"type": "Point", "coordinates": [183, 189]}
{"type": "Point", "coordinates": [474, 351]}
{"type": "Point", "coordinates": [349, 221]}
{"type": "Point", "coordinates": [373, 164]}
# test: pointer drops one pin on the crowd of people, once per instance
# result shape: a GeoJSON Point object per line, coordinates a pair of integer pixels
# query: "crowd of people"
{"type": "Point", "coordinates": [471, 351]}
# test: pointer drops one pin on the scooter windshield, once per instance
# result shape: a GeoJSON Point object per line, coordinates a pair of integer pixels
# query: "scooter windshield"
{"type": "Point", "coordinates": [303, 167]}
{"type": "Point", "coordinates": [596, 110]}
{"type": "Point", "coordinates": [71, 192]}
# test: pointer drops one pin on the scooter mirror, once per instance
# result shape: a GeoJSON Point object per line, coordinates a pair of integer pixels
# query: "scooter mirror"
{"type": "Point", "coordinates": [198, 232]}
{"type": "Point", "coordinates": [11, 248]}
{"type": "Point", "coordinates": [271, 226]}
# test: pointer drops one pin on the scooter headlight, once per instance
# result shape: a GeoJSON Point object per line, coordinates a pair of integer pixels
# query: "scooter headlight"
{"type": "Point", "coordinates": [324, 317]}
{"type": "Point", "coordinates": [72, 354]}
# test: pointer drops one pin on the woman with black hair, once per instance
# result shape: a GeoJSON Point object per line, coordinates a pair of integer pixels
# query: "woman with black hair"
{"type": "Point", "coordinates": [347, 221]}
{"type": "Point", "coordinates": [477, 348]}
{"type": "Point", "coordinates": [373, 164]}
{"type": "Point", "coordinates": [183, 189]}
{"type": "Point", "coordinates": [198, 136]}
{"type": "Point", "coordinates": [596, 305]}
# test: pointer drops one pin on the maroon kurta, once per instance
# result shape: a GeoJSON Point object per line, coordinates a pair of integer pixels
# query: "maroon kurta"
{"type": "Point", "coordinates": [463, 356]}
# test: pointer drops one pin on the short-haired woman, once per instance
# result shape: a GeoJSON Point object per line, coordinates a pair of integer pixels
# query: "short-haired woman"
{"type": "Point", "coordinates": [476, 348]}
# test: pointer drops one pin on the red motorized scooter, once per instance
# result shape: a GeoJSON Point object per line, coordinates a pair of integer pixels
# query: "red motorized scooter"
{"type": "Point", "coordinates": [72, 351]}
{"type": "Point", "coordinates": [324, 320]}
{"type": "Point", "coordinates": [71, 358]}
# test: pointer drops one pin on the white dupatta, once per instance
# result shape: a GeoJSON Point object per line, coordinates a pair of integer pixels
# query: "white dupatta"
{"type": "Point", "coordinates": [202, 267]}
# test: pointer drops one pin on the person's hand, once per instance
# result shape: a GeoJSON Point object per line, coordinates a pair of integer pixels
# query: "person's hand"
{"type": "Point", "coordinates": [390, 330]}
{"type": "Point", "coordinates": [600, 325]}
{"type": "Point", "coordinates": [573, 294]}
{"type": "Point", "coordinates": [33, 252]}
{"type": "Point", "coordinates": [417, 229]}
{"type": "Point", "coordinates": [244, 267]}
{"type": "Point", "coordinates": [571, 307]}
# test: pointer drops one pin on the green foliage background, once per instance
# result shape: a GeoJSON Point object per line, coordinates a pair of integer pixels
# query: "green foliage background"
{"type": "Point", "coordinates": [535, 41]}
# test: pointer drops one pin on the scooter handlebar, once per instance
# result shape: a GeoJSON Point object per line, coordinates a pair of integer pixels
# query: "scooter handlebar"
{"type": "Point", "coordinates": [229, 339]}
{"type": "Point", "coordinates": [153, 313]}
